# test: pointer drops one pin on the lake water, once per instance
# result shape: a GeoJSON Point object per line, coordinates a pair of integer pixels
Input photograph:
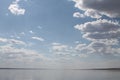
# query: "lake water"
{"type": "Point", "coordinates": [59, 75]}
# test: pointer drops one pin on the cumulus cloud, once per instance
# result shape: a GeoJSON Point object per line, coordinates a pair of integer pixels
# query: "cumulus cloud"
{"type": "Point", "coordinates": [103, 34]}
{"type": "Point", "coordinates": [98, 8]}
{"type": "Point", "coordinates": [99, 26]}
{"type": "Point", "coordinates": [38, 38]}
{"type": "Point", "coordinates": [16, 9]}
{"type": "Point", "coordinates": [100, 29]}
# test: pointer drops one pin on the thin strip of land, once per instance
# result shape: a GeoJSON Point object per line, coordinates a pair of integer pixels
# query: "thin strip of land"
{"type": "Point", "coordinates": [57, 69]}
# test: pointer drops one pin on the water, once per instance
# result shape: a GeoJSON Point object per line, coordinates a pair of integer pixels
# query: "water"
{"type": "Point", "coordinates": [59, 75]}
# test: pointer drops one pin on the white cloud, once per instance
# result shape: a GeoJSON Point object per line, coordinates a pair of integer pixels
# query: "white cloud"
{"type": "Point", "coordinates": [80, 46]}
{"type": "Point", "coordinates": [38, 38]}
{"type": "Point", "coordinates": [103, 34]}
{"type": "Point", "coordinates": [103, 49]}
{"type": "Point", "coordinates": [67, 52]}
{"type": "Point", "coordinates": [12, 41]}
{"type": "Point", "coordinates": [100, 29]}
{"type": "Point", "coordinates": [60, 48]}
{"type": "Point", "coordinates": [98, 8]}
{"type": "Point", "coordinates": [92, 14]}
{"type": "Point", "coordinates": [31, 32]}
{"type": "Point", "coordinates": [98, 26]}
{"type": "Point", "coordinates": [55, 43]}
{"type": "Point", "coordinates": [16, 9]}
{"type": "Point", "coordinates": [3, 40]}
{"type": "Point", "coordinates": [78, 15]}
{"type": "Point", "coordinates": [8, 52]}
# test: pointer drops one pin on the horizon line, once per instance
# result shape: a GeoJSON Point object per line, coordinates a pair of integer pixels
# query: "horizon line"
{"type": "Point", "coordinates": [61, 69]}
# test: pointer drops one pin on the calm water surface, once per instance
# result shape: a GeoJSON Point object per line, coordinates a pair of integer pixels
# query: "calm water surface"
{"type": "Point", "coordinates": [59, 75]}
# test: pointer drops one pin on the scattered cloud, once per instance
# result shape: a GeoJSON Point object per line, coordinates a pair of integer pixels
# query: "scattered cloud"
{"type": "Point", "coordinates": [98, 8]}
{"type": "Point", "coordinates": [39, 27]}
{"type": "Point", "coordinates": [12, 41]}
{"type": "Point", "coordinates": [22, 33]}
{"type": "Point", "coordinates": [16, 9]}
{"type": "Point", "coordinates": [38, 38]}
{"type": "Point", "coordinates": [100, 29]}
{"type": "Point", "coordinates": [31, 32]}
{"type": "Point", "coordinates": [103, 34]}
{"type": "Point", "coordinates": [65, 51]}
{"type": "Point", "coordinates": [78, 15]}
{"type": "Point", "coordinates": [77, 42]}
{"type": "Point", "coordinates": [10, 53]}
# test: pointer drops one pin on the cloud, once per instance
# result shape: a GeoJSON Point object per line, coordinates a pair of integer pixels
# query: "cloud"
{"type": "Point", "coordinates": [103, 34]}
{"type": "Point", "coordinates": [101, 25]}
{"type": "Point", "coordinates": [98, 8]}
{"type": "Point", "coordinates": [11, 53]}
{"type": "Point", "coordinates": [59, 47]}
{"type": "Point", "coordinates": [78, 15]}
{"type": "Point", "coordinates": [39, 27]}
{"type": "Point", "coordinates": [12, 41]}
{"type": "Point", "coordinates": [100, 29]}
{"type": "Point", "coordinates": [66, 52]}
{"type": "Point", "coordinates": [38, 38]}
{"type": "Point", "coordinates": [3, 40]}
{"type": "Point", "coordinates": [92, 14]}
{"type": "Point", "coordinates": [103, 49]}
{"type": "Point", "coordinates": [31, 32]}
{"type": "Point", "coordinates": [16, 9]}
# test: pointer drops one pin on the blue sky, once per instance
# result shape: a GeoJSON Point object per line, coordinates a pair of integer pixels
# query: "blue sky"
{"type": "Point", "coordinates": [59, 33]}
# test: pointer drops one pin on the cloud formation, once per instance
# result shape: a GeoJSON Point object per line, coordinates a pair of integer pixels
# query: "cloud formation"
{"type": "Point", "coordinates": [78, 15]}
{"type": "Point", "coordinates": [38, 38]}
{"type": "Point", "coordinates": [10, 53]}
{"type": "Point", "coordinates": [66, 51]}
{"type": "Point", "coordinates": [103, 34]}
{"type": "Point", "coordinates": [12, 41]}
{"type": "Point", "coordinates": [16, 9]}
{"type": "Point", "coordinates": [98, 8]}
{"type": "Point", "coordinates": [100, 29]}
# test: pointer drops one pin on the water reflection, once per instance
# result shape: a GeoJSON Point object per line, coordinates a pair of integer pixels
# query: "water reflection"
{"type": "Point", "coordinates": [59, 75]}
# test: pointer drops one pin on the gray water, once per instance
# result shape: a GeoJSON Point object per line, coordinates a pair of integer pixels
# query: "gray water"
{"type": "Point", "coordinates": [59, 75]}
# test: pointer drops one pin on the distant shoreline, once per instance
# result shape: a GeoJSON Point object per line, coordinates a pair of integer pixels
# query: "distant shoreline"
{"type": "Point", "coordinates": [57, 69]}
{"type": "Point", "coordinates": [100, 69]}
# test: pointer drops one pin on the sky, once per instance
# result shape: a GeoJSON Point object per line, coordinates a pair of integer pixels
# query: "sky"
{"type": "Point", "coordinates": [60, 33]}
